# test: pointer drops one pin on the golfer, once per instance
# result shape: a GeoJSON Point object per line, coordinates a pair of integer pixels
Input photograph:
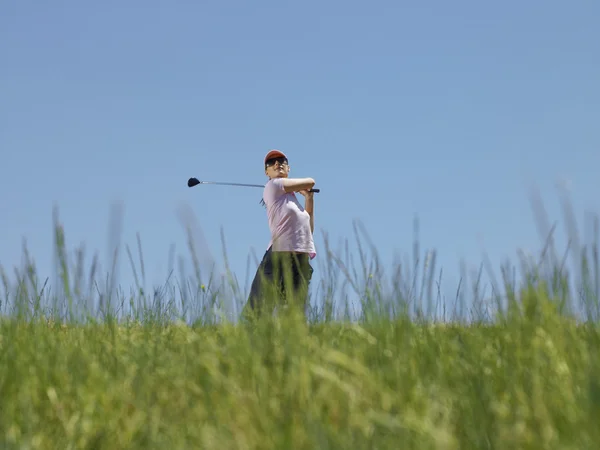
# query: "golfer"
{"type": "Point", "coordinates": [284, 273]}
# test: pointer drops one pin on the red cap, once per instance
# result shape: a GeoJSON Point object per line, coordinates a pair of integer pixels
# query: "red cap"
{"type": "Point", "coordinates": [274, 154]}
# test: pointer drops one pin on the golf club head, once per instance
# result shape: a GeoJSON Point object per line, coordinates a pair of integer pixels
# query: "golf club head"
{"type": "Point", "coordinates": [193, 182]}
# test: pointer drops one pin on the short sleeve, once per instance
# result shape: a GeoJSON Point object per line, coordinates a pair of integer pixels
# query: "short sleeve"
{"type": "Point", "coordinates": [273, 189]}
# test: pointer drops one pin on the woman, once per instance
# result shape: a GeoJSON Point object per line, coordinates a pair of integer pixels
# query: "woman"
{"type": "Point", "coordinates": [285, 272]}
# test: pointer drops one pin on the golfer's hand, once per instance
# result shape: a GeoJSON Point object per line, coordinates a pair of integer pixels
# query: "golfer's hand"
{"type": "Point", "coordinates": [307, 194]}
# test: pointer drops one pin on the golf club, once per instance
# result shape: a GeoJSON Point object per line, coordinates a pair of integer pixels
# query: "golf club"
{"type": "Point", "coordinates": [195, 182]}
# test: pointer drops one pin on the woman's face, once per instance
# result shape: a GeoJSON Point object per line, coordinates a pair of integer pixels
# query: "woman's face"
{"type": "Point", "coordinates": [277, 168]}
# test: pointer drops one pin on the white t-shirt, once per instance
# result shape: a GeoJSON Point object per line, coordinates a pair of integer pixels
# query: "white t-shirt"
{"type": "Point", "coordinates": [288, 221]}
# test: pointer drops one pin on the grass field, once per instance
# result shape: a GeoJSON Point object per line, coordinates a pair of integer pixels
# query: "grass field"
{"type": "Point", "coordinates": [74, 374]}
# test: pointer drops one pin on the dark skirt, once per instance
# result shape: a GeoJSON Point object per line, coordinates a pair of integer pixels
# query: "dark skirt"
{"type": "Point", "coordinates": [282, 278]}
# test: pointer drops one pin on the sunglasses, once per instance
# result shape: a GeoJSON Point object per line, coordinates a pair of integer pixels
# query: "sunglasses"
{"type": "Point", "coordinates": [272, 161]}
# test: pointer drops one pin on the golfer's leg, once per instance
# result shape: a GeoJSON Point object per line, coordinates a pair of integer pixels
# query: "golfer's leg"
{"type": "Point", "coordinates": [258, 289]}
{"type": "Point", "coordinates": [302, 274]}
{"type": "Point", "coordinates": [288, 268]}
{"type": "Point", "coordinates": [278, 287]}
{"type": "Point", "coordinates": [308, 272]}
{"type": "Point", "coordinates": [301, 284]}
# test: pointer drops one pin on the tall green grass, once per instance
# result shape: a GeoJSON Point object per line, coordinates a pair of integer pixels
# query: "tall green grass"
{"type": "Point", "coordinates": [86, 365]}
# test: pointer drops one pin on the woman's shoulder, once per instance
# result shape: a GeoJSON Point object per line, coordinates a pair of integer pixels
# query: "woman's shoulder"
{"type": "Point", "coordinates": [273, 189]}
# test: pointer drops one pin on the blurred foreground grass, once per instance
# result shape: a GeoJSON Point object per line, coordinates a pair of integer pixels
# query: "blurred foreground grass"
{"type": "Point", "coordinates": [532, 382]}
{"type": "Point", "coordinates": [528, 379]}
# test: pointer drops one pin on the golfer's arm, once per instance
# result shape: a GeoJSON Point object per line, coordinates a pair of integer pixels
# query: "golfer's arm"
{"type": "Point", "coordinates": [309, 207]}
{"type": "Point", "coordinates": [297, 184]}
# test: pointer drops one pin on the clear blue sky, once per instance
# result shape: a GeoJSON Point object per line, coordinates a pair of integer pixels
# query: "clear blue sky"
{"type": "Point", "coordinates": [449, 111]}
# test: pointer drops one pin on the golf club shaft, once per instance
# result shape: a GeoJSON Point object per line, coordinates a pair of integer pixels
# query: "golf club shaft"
{"type": "Point", "coordinates": [231, 184]}
{"type": "Point", "coordinates": [237, 184]}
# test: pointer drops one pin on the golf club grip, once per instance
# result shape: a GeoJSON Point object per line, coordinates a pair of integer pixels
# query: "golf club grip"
{"type": "Point", "coordinates": [315, 190]}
